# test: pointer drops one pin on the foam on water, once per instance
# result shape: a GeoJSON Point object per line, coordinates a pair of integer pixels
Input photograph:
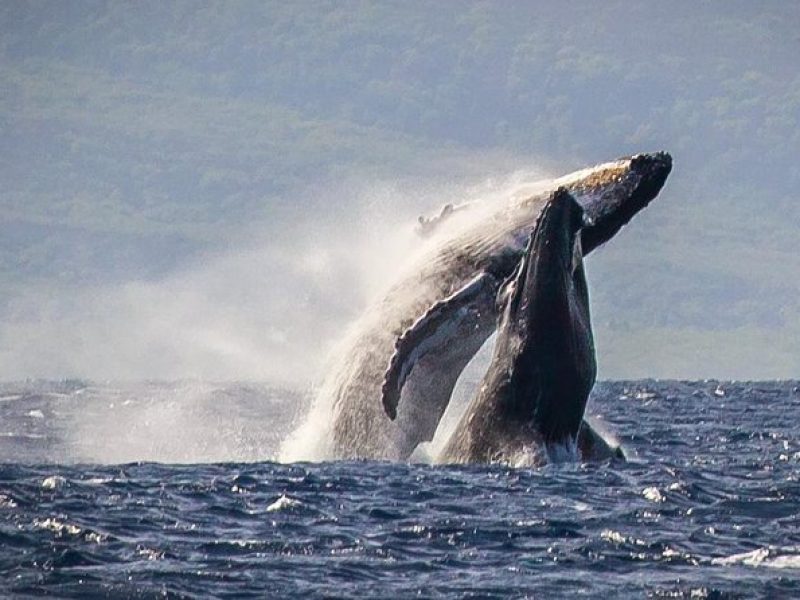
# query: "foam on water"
{"type": "Point", "coordinates": [283, 503]}
{"type": "Point", "coordinates": [783, 558]}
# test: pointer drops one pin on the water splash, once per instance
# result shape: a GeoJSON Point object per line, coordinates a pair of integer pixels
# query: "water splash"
{"type": "Point", "coordinates": [312, 440]}
{"type": "Point", "coordinates": [278, 305]}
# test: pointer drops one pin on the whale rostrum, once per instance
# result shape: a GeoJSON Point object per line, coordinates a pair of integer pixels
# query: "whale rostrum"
{"type": "Point", "coordinates": [411, 347]}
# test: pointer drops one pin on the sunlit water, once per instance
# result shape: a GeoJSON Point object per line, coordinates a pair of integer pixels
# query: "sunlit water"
{"type": "Point", "coordinates": [707, 508]}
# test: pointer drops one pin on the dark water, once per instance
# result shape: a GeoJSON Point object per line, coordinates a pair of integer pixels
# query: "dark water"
{"type": "Point", "coordinates": [707, 509]}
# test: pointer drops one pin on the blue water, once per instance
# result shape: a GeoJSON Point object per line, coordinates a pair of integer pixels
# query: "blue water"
{"type": "Point", "coordinates": [707, 508]}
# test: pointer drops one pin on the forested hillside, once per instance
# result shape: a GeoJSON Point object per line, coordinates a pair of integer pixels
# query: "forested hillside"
{"type": "Point", "coordinates": [139, 136]}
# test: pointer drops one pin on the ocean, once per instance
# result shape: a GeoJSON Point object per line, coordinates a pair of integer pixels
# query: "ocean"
{"type": "Point", "coordinates": [172, 489]}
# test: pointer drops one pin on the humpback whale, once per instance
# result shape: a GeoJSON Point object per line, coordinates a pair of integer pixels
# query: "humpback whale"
{"type": "Point", "coordinates": [531, 401]}
{"type": "Point", "coordinates": [409, 349]}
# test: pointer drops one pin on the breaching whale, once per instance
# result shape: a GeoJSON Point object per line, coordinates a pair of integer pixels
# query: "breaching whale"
{"type": "Point", "coordinates": [531, 401]}
{"type": "Point", "coordinates": [411, 347]}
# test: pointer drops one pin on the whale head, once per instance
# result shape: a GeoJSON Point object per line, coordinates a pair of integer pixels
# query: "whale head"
{"type": "Point", "coordinates": [612, 193]}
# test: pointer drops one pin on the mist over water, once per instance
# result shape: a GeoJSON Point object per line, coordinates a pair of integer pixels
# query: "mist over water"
{"type": "Point", "coordinates": [312, 440]}
{"type": "Point", "coordinates": [277, 305]}
{"type": "Point", "coordinates": [267, 307]}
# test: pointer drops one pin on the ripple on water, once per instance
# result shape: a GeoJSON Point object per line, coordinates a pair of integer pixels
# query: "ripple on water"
{"type": "Point", "coordinates": [709, 509]}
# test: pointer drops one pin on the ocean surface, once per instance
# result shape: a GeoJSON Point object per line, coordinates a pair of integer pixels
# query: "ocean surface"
{"type": "Point", "coordinates": [171, 489]}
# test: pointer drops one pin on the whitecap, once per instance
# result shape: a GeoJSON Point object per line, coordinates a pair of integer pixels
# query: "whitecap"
{"type": "Point", "coordinates": [149, 553]}
{"type": "Point", "coordinates": [97, 480]}
{"type": "Point", "coordinates": [754, 558]}
{"type": "Point", "coordinates": [53, 482]}
{"type": "Point", "coordinates": [282, 503]}
{"type": "Point", "coordinates": [762, 557]}
{"type": "Point", "coordinates": [97, 538]}
{"type": "Point", "coordinates": [57, 526]}
{"type": "Point", "coordinates": [612, 536]}
{"type": "Point", "coordinates": [785, 562]}
{"type": "Point", "coordinates": [653, 494]}
{"type": "Point", "coordinates": [7, 502]}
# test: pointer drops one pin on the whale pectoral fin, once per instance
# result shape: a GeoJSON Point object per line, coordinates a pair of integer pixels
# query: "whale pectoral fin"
{"type": "Point", "coordinates": [432, 329]}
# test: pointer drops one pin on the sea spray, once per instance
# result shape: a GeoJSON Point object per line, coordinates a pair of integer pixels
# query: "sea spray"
{"type": "Point", "coordinates": [365, 338]}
